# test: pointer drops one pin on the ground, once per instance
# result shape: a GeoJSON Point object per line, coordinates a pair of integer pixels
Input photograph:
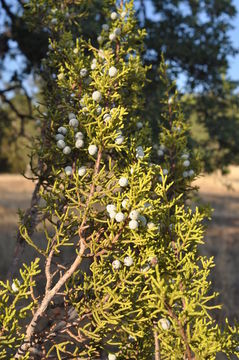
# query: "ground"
{"type": "Point", "coordinates": [222, 237]}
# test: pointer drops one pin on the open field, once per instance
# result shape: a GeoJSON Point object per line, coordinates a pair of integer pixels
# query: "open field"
{"type": "Point", "coordinates": [222, 238]}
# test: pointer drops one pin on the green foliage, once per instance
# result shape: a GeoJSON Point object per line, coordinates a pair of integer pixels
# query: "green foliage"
{"type": "Point", "coordinates": [188, 33]}
{"type": "Point", "coordinates": [216, 118]}
{"type": "Point", "coordinates": [122, 274]}
{"type": "Point", "coordinates": [183, 31]}
{"type": "Point", "coordinates": [16, 304]}
{"type": "Point", "coordinates": [16, 132]}
{"type": "Point", "coordinates": [193, 36]}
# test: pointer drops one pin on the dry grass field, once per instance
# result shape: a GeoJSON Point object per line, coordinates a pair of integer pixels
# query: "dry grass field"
{"type": "Point", "coordinates": [222, 237]}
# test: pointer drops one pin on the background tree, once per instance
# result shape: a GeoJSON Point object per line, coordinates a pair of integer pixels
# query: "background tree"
{"type": "Point", "coordinates": [193, 35]}
{"type": "Point", "coordinates": [215, 116]}
{"type": "Point", "coordinates": [194, 38]}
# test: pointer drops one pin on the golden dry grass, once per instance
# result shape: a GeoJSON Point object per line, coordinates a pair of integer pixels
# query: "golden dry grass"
{"type": "Point", "coordinates": [222, 236]}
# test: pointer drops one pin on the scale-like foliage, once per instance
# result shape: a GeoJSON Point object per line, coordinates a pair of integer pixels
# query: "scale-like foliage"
{"type": "Point", "coordinates": [123, 278]}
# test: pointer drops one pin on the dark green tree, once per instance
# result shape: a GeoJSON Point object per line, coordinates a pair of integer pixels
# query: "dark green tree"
{"type": "Point", "coordinates": [216, 115]}
{"type": "Point", "coordinates": [193, 35]}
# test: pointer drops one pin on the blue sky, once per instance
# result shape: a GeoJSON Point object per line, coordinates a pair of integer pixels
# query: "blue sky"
{"type": "Point", "coordinates": [234, 62]}
{"type": "Point", "coordinates": [234, 34]}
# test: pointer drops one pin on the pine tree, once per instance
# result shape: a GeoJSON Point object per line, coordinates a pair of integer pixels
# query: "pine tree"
{"type": "Point", "coordinates": [120, 276]}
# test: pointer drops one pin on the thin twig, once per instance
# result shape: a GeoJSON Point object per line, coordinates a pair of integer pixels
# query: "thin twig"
{"type": "Point", "coordinates": [156, 344]}
{"type": "Point", "coordinates": [182, 332]}
{"type": "Point", "coordinates": [7, 9]}
{"type": "Point", "coordinates": [48, 270]}
{"type": "Point", "coordinates": [14, 109]}
{"type": "Point", "coordinates": [49, 294]}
